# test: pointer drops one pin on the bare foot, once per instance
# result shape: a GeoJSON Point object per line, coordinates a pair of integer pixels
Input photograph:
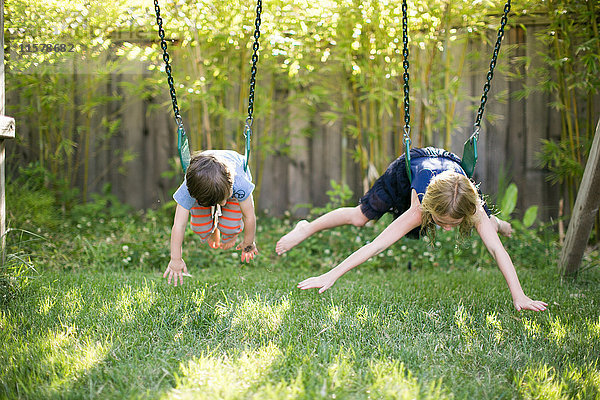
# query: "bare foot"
{"type": "Point", "coordinates": [214, 240]}
{"type": "Point", "coordinates": [292, 238]}
{"type": "Point", "coordinates": [229, 244]}
{"type": "Point", "coordinates": [504, 228]}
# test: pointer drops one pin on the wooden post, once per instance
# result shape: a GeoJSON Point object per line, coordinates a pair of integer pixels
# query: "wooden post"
{"type": "Point", "coordinates": [2, 101]}
{"type": "Point", "coordinates": [7, 131]}
{"type": "Point", "coordinates": [584, 212]}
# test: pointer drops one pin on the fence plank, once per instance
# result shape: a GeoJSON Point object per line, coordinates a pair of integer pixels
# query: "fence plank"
{"type": "Point", "coordinates": [162, 136]}
{"type": "Point", "coordinates": [299, 161]}
{"type": "Point", "coordinates": [535, 124]}
{"type": "Point", "coordinates": [318, 153]}
{"type": "Point", "coordinates": [517, 113]}
{"type": "Point", "coordinates": [99, 159]}
{"type": "Point", "coordinates": [274, 189]}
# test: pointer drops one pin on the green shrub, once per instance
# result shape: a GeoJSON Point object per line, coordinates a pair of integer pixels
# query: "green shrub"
{"type": "Point", "coordinates": [29, 203]}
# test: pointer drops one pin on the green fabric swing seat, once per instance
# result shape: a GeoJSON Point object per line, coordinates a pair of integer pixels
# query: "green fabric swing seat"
{"type": "Point", "coordinates": [469, 157]}
{"type": "Point", "coordinates": [184, 148]}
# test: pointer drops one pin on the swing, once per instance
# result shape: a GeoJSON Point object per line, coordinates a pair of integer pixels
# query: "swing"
{"type": "Point", "coordinates": [469, 157]}
{"type": "Point", "coordinates": [182, 141]}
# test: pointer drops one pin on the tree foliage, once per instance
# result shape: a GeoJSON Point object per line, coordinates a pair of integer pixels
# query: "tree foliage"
{"type": "Point", "coordinates": [341, 60]}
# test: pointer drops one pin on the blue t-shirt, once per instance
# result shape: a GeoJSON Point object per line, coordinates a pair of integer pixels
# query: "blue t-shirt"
{"type": "Point", "coordinates": [242, 180]}
{"type": "Point", "coordinates": [426, 167]}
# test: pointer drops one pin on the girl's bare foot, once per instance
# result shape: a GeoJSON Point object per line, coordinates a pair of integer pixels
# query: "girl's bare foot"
{"type": "Point", "coordinates": [229, 244]}
{"type": "Point", "coordinates": [295, 236]}
{"type": "Point", "coordinates": [214, 240]}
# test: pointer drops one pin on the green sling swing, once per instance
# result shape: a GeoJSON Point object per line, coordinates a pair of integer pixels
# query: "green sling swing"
{"type": "Point", "coordinates": [469, 157]}
{"type": "Point", "coordinates": [183, 146]}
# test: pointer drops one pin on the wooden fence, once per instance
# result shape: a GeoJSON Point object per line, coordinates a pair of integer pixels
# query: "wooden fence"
{"type": "Point", "coordinates": [302, 173]}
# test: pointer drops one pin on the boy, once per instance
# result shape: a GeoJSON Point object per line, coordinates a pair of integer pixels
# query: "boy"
{"type": "Point", "coordinates": [218, 194]}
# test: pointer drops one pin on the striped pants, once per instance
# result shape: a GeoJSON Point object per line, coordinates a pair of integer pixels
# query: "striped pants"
{"type": "Point", "coordinates": [229, 222]}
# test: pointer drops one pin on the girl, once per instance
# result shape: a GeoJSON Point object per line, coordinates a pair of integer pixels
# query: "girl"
{"type": "Point", "coordinates": [440, 194]}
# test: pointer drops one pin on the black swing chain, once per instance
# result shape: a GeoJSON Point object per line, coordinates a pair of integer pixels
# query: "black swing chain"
{"type": "Point", "coordinates": [490, 74]}
{"type": "Point", "coordinates": [163, 45]}
{"type": "Point", "coordinates": [253, 69]}
{"type": "Point", "coordinates": [405, 65]}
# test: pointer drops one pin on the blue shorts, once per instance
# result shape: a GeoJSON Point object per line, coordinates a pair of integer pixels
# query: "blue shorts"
{"type": "Point", "coordinates": [391, 191]}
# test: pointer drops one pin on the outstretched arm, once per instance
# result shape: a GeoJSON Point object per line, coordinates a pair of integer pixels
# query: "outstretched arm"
{"type": "Point", "coordinates": [489, 236]}
{"type": "Point", "coordinates": [248, 246]}
{"type": "Point", "coordinates": [177, 267]}
{"type": "Point", "coordinates": [397, 229]}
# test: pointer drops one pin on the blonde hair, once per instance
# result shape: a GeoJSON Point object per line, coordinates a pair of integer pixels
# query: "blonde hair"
{"type": "Point", "coordinates": [450, 194]}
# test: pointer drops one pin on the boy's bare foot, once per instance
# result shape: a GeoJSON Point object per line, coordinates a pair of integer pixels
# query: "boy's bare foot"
{"type": "Point", "coordinates": [229, 244]}
{"type": "Point", "coordinates": [504, 228]}
{"type": "Point", "coordinates": [292, 238]}
{"type": "Point", "coordinates": [214, 240]}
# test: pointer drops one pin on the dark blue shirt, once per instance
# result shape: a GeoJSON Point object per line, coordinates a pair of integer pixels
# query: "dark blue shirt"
{"type": "Point", "coordinates": [425, 167]}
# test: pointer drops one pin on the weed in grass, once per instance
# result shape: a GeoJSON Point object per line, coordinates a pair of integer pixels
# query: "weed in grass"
{"type": "Point", "coordinates": [16, 265]}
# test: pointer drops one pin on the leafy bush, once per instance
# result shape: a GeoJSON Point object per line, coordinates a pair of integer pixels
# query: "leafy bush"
{"type": "Point", "coordinates": [104, 205]}
{"type": "Point", "coordinates": [30, 203]}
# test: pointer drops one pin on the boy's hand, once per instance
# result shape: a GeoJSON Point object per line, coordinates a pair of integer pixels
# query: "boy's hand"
{"type": "Point", "coordinates": [525, 303]}
{"type": "Point", "coordinates": [248, 251]}
{"type": "Point", "coordinates": [177, 269]}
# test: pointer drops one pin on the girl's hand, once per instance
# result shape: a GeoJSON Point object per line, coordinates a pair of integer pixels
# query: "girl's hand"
{"type": "Point", "coordinates": [322, 282]}
{"type": "Point", "coordinates": [177, 269]}
{"type": "Point", "coordinates": [525, 303]}
{"type": "Point", "coordinates": [248, 251]}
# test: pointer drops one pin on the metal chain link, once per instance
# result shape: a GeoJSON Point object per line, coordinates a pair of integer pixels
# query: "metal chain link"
{"type": "Point", "coordinates": [163, 45]}
{"type": "Point", "coordinates": [254, 62]}
{"type": "Point", "coordinates": [490, 74]}
{"type": "Point", "coordinates": [249, 119]}
{"type": "Point", "coordinates": [405, 75]}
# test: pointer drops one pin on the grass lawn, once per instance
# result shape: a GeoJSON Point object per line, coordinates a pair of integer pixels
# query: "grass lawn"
{"type": "Point", "coordinates": [96, 319]}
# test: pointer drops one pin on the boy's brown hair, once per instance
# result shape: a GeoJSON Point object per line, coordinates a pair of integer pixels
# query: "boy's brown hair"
{"type": "Point", "coordinates": [208, 180]}
{"type": "Point", "coordinates": [451, 194]}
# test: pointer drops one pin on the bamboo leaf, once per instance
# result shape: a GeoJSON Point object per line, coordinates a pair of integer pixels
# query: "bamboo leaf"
{"type": "Point", "coordinates": [530, 216]}
{"type": "Point", "coordinates": [509, 201]}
